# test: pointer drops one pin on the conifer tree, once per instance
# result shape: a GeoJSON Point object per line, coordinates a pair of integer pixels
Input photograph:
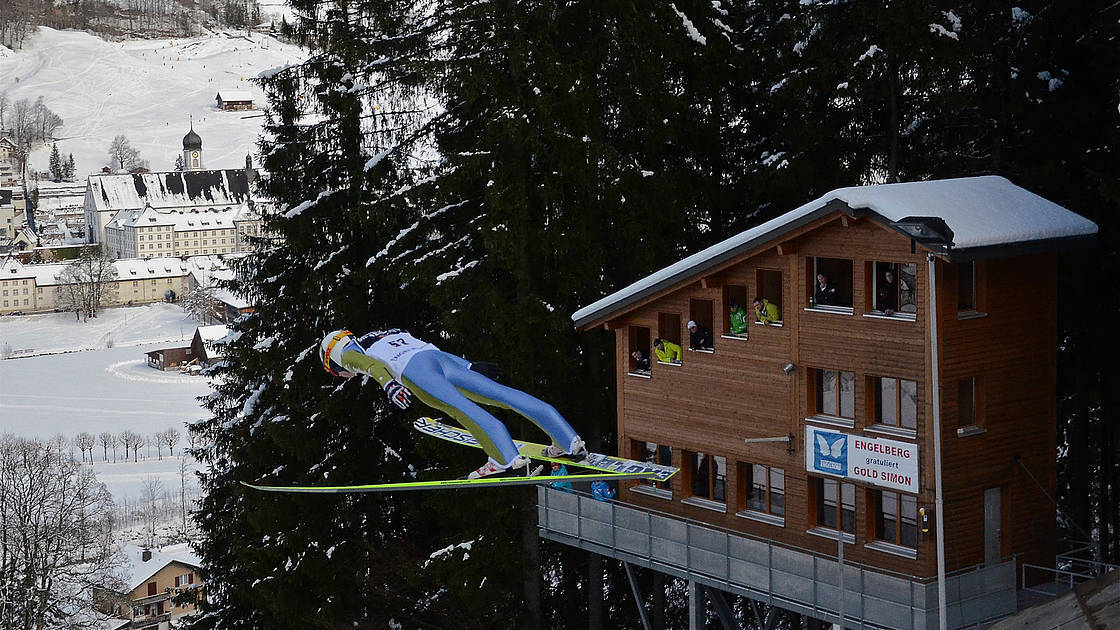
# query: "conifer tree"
{"type": "Point", "coordinates": [55, 163]}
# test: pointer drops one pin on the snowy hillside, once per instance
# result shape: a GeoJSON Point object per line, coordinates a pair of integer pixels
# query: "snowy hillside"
{"type": "Point", "coordinates": [145, 89]}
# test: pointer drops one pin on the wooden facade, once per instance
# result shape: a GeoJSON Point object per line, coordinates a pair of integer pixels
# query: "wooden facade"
{"type": "Point", "coordinates": [1003, 345]}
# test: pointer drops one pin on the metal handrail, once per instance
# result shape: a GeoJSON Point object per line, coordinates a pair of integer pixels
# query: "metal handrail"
{"type": "Point", "coordinates": [769, 595]}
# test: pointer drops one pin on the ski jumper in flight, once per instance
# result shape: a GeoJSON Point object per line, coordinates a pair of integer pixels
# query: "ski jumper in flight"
{"type": "Point", "coordinates": [406, 366]}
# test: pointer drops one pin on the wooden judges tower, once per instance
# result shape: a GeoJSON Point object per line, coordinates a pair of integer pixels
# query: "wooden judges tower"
{"type": "Point", "coordinates": [900, 425]}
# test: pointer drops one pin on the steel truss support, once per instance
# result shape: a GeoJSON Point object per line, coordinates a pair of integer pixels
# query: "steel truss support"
{"type": "Point", "coordinates": [638, 599]}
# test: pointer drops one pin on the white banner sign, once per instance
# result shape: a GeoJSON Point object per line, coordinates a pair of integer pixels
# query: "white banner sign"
{"type": "Point", "coordinates": [876, 461]}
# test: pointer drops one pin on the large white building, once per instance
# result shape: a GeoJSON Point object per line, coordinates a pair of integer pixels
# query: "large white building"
{"type": "Point", "coordinates": [175, 213]}
{"type": "Point", "coordinates": [147, 233]}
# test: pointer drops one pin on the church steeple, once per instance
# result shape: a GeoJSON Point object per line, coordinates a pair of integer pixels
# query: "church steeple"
{"type": "Point", "coordinates": [192, 150]}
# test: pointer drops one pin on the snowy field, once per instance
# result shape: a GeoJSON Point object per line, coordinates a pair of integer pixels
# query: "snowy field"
{"type": "Point", "coordinates": [105, 389]}
{"type": "Point", "coordinates": [46, 333]}
{"type": "Point", "coordinates": [144, 89]}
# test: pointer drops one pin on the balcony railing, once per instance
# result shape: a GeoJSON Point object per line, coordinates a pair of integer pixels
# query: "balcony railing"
{"type": "Point", "coordinates": [790, 577]}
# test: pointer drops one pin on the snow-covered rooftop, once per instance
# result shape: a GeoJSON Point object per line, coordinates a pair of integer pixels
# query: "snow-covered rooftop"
{"type": "Point", "coordinates": [234, 95]}
{"type": "Point", "coordinates": [174, 189]}
{"type": "Point", "coordinates": [127, 269]}
{"type": "Point", "coordinates": [137, 570]}
{"type": "Point", "coordinates": [210, 333]}
{"type": "Point", "coordinates": [982, 212]}
{"type": "Point", "coordinates": [185, 220]}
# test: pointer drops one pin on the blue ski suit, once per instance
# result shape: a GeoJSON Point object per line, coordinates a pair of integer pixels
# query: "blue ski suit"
{"type": "Point", "coordinates": [445, 382]}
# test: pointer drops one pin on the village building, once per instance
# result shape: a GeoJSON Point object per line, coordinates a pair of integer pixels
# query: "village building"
{"type": "Point", "coordinates": [160, 586]}
{"type": "Point", "coordinates": [234, 100]}
{"type": "Point", "coordinates": [133, 206]}
{"type": "Point", "coordinates": [10, 154]}
{"type": "Point", "coordinates": [882, 447]}
{"type": "Point", "coordinates": [205, 346]}
{"type": "Point", "coordinates": [31, 288]}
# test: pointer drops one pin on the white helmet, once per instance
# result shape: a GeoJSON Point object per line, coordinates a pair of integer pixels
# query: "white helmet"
{"type": "Point", "coordinates": [337, 341]}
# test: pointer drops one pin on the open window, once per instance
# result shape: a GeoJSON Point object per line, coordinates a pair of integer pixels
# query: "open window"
{"type": "Point", "coordinates": [768, 283]}
{"type": "Point", "coordinates": [738, 311]}
{"type": "Point", "coordinates": [969, 408]}
{"type": "Point", "coordinates": [669, 331]}
{"type": "Point", "coordinates": [700, 311]}
{"type": "Point", "coordinates": [639, 351]}
{"type": "Point", "coordinates": [891, 293]}
{"type": "Point", "coordinates": [830, 284]}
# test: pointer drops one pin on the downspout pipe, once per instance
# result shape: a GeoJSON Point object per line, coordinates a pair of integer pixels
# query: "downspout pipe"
{"type": "Point", "coordinates": [938, 511]}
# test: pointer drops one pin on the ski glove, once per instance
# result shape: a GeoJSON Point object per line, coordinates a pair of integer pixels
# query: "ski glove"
{"type": "Point", "coordinates": [398, 394]}
{"type": "Point", "coordinates": [487, 369]}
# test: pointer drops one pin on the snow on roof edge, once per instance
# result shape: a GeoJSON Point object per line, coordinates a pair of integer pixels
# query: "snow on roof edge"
{"type": "Point", "coordinates": [984, 212]}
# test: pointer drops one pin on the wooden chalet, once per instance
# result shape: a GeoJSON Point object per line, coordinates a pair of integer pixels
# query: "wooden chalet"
{"type": "Point", "coordinates": [817, 437]}
{"type": "Point", "coordinates": [234, 100]}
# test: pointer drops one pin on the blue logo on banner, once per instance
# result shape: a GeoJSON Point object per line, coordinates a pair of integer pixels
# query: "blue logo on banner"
{"type": "Point", "coordinates": [830, 453]}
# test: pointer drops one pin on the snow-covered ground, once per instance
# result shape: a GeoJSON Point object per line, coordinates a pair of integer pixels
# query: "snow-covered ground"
{"type": "Point", "coordinates": [46, 333]}
{"type": "Point", "coordinates": [146, 90]}
{"type": "Point", "coordinates": [105, 389]}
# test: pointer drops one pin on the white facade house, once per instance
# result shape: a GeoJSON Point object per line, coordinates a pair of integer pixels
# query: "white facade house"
{"type": "Point", "coordinates": [149, 234]}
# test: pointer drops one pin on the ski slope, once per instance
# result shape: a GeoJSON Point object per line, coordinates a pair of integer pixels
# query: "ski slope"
{"type": "Point", "coordinates": [146, 90]}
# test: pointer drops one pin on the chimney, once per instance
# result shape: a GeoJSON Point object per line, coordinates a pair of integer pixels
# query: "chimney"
{"type": "Point", "coordinates": [146, 555]}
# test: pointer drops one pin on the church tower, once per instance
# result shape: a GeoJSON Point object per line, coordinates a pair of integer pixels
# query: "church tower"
{"type": "Point", "coordinates": [192, 150]}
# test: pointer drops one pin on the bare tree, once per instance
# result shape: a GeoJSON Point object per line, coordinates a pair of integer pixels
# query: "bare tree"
{"type": "Point", "coordinates": [127, 440]}
{"type": "Point", "coordinates": [201, 304]}
{"type": "Point", "coordinates": [5, 105]}
{"type": "Point", "coordinates": [57, 541]}
{"type": "Point", "coordinates": [87, 283]}
{"type": "Point", "coordinates": [183, 491]}
{"type": "Point", "coordinates": [85, 441]}
{"type": "Point", "coordinates": [122, 152]}
{"type": "Point", "coordinates": [151, 494]}
{"type": "Point", "coordinates": [156, 437]}
{"type": "Point", "coordinates": [108, 439]}
{"type": "Point", "coordinates": [171, 438]}
{"type": "Point", "coordinates": [138, 443]}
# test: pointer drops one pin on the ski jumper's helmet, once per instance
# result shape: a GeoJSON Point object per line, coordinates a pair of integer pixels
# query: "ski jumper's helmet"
{"type": "Point", "coordinates": [331, 349]}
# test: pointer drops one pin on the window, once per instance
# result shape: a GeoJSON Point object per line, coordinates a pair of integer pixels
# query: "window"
{"type": "Point", "coordinates": [896, 518]}
{"type": "Point", "coordinates": [669, 327]}
{"type": "Point", "coordinates": [700, 311]}
{"type": "Point", "coordinates": [736, 305]}
{"type": "Point", "coordinates": [768, 283]}
{"type": "Point", "coordinates": [835, 503]}
{"type": "Point", "coordinates": [830, 284]}
{"type": "Point", "coordinates": [966, 402]}
{"type": "Point", "coordinates": [834, 393]}
{"type": "Point", "coordinates": [896, 402]}
{"type": "Point", "coordinates": [892, 289]}
{"type": "Point", "coordinates": [640, 351]}
{"type": "Point", "coordinates": [151, 588]}
{"type": "Point", "coordinates": [763, 489]}
{"type": "Point", "coordinates": [654, 454]}
{"type": "Point", "coordinates": [966, 286]}
{"type": "Point", "coordinates": [185, 579]}
{"type": "Point", "coordinates": [707, 476]}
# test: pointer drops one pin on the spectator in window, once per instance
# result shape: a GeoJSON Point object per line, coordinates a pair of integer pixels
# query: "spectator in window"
{"type": "Point", "coordinates": [766, 312]}
{"type": "Point", "coordinates": [666, 351]}
{"type": "Point", "coordinates": [602, 491]}
{"type": "Point", "coordinates": [641, 361]}
{"type": "Point", "coordinates": [699, 338]}
{"type": "Point", "coordinates": [825, 292]}
{"type": "Point", "coordinates": [738, 318]}
{"type": "Point", "coordinates": [887, 298]}
{"type": "Point", "coordinates": [560, 470]}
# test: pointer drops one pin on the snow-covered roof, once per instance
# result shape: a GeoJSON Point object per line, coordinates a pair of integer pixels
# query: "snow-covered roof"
{"type": "Point", "coordinates": [984, 213]}
{"type": "Point", "coordinates": [175, 189]}
{"type": "Point", "coordinates": [234, 95]}
{"type": "Point", "coordinates": [211, 333]}
{"type": "Point", "coordinates": [127, 269]}
{"type": "Point", "coordinates": [184, 220]}
{"type": "Point", "coordinates": [137, 571]}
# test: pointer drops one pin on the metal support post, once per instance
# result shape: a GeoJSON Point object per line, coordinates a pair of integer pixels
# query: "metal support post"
{"type": "Point", "coordinates": [638, 599]}
{"type": "Point", "coordinates": [723, 611]}
{"type": "Point", "coordinates": [695, 606]}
